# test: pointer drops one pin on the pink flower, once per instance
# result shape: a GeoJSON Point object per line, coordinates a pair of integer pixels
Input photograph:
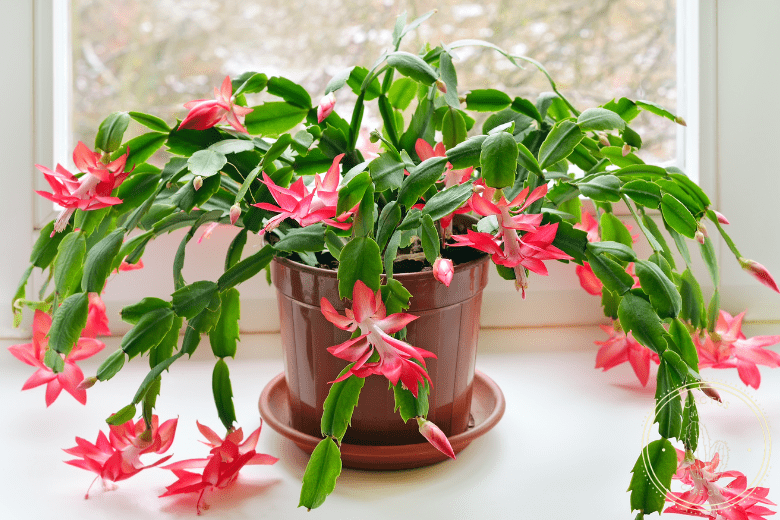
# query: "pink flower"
{"type": "Point", "coordinates": [443, 270]}
{"type": "Point", "coordinates": [305, 207]}
{"type": "Point", "coordinates": [325, 107]}
{"type": "Point", "coordinates": [71, 375]}
{"type": "Point", "coordinates": [732, 502]}
{"type": "Point", "coordinates": [220, 468]}
{"type": "Point", "coordinates": [117, 457]}
{"type": "Point", "coordinates": [124, 266]}
{"type": "Point", "coordinates": [97, 321]}
{"type": "Point", "coordinates": [207, 230]}
{"type": "Point", "coordinates": [435, 436]}
{"type": "Point", "coordinates": [620, 348]}
{"type": "Point", "coordinates": [91, 191]}
{"type": "Point", "coordinates": [527, 252]}
{"type": "Point", "coordinates": [397, 359]}
{"type": "Point", "coordinates": [727, 347]}
{"type": "Point", "coordinates": [590, 226]}
{"type": "Point", "coordinates": [759, 272]}
{"type": "Point", "coordinates": [205, 113]}
{"type": "Point", "coordinates": [588, 279]}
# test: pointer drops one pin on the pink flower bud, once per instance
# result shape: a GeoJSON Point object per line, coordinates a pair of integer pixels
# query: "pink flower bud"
{"type": "Point", "coordinates": [680, 121]}
{"type": "Point", "coordinates": [699, 236]}
{"type": "Point", "coordinates": [441, 86]}
{"type": "Point", "coordinates": [326, 107]}
{"type": "Point", "coordinates": [721, 218]}
{"type": "Point", "coordinates": [197, 182]}
{"type": "Point", "coordinates": [235, 212]}
{"type": "Point", "coordinates": [443, 270]}
{"type": "Point", "coordinates": [603, 139]}
{"type": "Point", "coordinates": [709, 391]}
{"type": "Point", "coordinates": [626, 149]}
{"type": "Point", "coordinates": [435, 436]}
{"type": "Point", "coordinates": [88, 382]}
{"type": "Point", "coordinates": [759, 272]}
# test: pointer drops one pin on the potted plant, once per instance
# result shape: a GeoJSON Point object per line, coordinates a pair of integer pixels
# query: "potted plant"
{"type": "Point", "coordinates": [347, 228]}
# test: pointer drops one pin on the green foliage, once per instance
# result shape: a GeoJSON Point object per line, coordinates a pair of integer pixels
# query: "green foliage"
{"type": "Point", "coordinates": [652, 476]}
{"type": "Point", "coordinates": [111, 130]}
{"type": "Point", "coordinates": [338, 406]}
{"type": "Point", "coordinates": [319, 479]}
{"type": "Point", "coordinates": [68, 322]}
{"type": "Point", "coordinates": [224, 336]}
{"type": "Point", "coordinates": [359, 260]}
{"type": "Point", "coordinates": [499, 160]}
{"type": "Point", "coordinates": [223, 394]}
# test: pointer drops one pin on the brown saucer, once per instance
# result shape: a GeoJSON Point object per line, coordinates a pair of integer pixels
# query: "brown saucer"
{"type": "Point", "coordinates": [487, 408]}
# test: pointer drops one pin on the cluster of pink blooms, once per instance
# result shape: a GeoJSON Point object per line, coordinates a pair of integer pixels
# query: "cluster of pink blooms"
{"type": "Point", "coordinates": [220, 469]}
{"type": "Point", "coordinates": [734, 501]}
{"type": "Point", "coordinates": [117, 457]}
{"type": "Point", "coordinates": [506, 246]}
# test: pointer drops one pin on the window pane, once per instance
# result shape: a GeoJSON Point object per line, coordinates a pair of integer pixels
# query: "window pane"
{"type": "Point", "coordinates": [155, 55]}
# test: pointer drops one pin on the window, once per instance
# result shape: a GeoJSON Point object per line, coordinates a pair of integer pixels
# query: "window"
{"type": "Point", "coordinates": [716, 65]}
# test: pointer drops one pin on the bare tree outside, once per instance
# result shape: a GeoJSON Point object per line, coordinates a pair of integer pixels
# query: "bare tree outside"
{"type": "Point", "coordinates": [155, 55]}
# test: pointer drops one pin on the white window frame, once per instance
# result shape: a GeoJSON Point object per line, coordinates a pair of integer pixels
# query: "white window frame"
{"type": "Point", "coordinates": [35, 104]}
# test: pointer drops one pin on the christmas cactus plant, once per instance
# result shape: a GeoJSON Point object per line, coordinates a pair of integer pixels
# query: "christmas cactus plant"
{"type": "Point", "coordinates": [325, 190]}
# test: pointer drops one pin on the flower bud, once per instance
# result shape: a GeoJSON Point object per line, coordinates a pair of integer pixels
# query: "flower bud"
{"type": "Point", "coordinates": [435, 436]}
{"type": "Point", "coordinates": [710, 392]}
{"type": "Point", "coordinates": [197, 182]}
{"type": "Point", "coordinates": [699, 236]}
{"type": "Point", "coordinates": [680, 121]}
{"type": "Point", "coordinates": [603, 139]}
{"type": "Point", "coordinates": [759, 272]}
{"type": "Point", "coordinates": [441, 86]}
{"type": "Point", "coordinates": [626, 149]}
{"type": "Point", "coordinates": [721, 218]}
{"type": "Point", "coordinates": [443, 270]}
{"type": "Point", "coordinates": [325, 107]}
{"type": "Point", "coordinates": [374, 136]}
{"type": "Point", "coordinates": [235, 212]}
{"type": "Point", "coordinates": [88, 382]}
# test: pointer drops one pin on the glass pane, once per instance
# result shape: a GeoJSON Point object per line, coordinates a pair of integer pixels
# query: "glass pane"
{"type": "Point", "coordinates": [155, 55]}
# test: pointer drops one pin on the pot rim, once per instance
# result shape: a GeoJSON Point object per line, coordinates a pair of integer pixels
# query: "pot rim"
{"type": "Point", "coordinates": [332, 273]}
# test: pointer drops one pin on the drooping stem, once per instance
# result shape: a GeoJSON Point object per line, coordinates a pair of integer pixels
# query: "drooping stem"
{"type": "Point", "coordinates": [711, 215]}
{"type": "Point", "coordinates": [649, 236]}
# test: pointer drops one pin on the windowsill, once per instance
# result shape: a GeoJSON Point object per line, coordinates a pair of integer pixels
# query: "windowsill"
{"type": "Point", "coordinates": [551, 456]}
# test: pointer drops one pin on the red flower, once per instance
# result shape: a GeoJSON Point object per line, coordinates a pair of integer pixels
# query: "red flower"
{"type": "Point", "coordinates": [396, 358]}
{"type": "Point", "coordinates": [620, 348]}
{"type": "Point", "coordinates": [97, 321]}
{"type": "Point", "coordinates": [205, 113]}
{"type": "Point", "coordinates": [727, 347]}
{"type": "Point", "coordinates": [71, 375]}
{"type": "Point", "coordinates": [220, 468]}
{"type": "Point", "coordinates": [118, 457]}
{"type": "Point", "coordinates": [91, 191]}
{"type": "Point", "coordinates": [305, 207]}
{"type": "Point", "coordinates": [732, 502]}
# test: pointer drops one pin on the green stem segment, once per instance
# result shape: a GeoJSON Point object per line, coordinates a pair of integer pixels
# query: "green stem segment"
{"type": "Point", "coordinates": [711, 215]}
{"type": "Point", "coordinates": [650, 239]}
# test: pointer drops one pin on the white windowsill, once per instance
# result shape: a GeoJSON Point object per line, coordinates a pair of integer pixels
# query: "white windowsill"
{"type": "Point", "coordinates": [564, 448]}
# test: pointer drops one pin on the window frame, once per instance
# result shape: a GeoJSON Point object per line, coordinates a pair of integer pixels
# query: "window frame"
{"type": "Point", "coordinates": [35, 140]}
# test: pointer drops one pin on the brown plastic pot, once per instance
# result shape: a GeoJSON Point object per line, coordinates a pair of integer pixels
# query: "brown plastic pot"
{"type": "Point", "coordinates": [448, 326]}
